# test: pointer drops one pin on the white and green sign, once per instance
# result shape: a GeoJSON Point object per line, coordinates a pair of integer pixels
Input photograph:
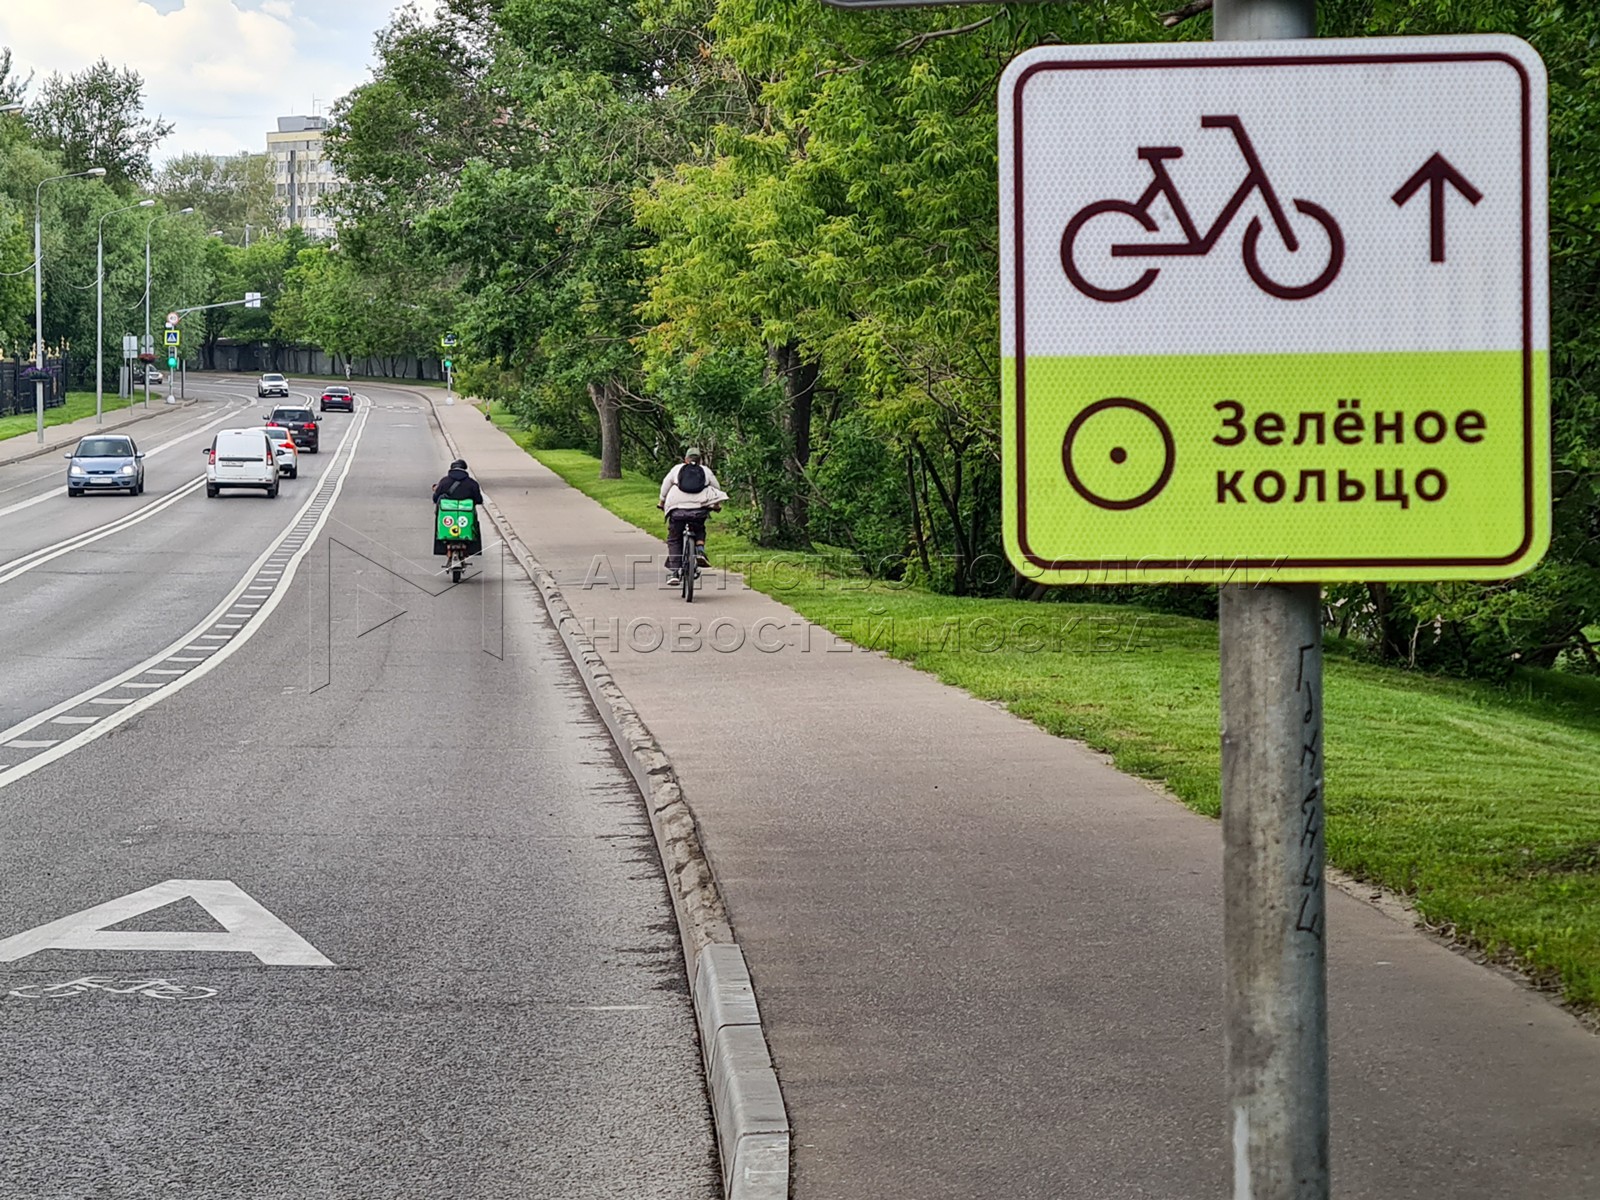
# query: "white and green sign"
{"type": "Point", "coordinates": [1275, 310]}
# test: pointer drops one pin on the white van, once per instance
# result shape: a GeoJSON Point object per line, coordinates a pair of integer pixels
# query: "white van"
{"type": "Point", "coordinates": [241, 458]}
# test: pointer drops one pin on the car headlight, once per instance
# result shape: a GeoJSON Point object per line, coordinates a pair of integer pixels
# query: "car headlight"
{"type": "Point", "coordinates": [76, 469]}
{"type": "Point", "coordinates": [126, 470]}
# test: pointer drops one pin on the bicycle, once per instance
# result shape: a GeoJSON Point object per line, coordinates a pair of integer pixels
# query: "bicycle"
{"type": "Point", "coordinates": [692, 554]}
{"type": "Point", "coordinates": [156, 989]}
{"type": "Point", "coordinates": [688, 562]}
{"type": "Point", "coordinates": [1195, 244]}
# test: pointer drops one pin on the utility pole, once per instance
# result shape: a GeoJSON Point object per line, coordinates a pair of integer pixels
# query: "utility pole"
{"type": "Point", "coordinates": [1274, 919]}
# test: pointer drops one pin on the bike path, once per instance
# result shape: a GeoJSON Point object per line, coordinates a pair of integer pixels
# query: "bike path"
{"type": "Point", "coordinates": [988, 963]}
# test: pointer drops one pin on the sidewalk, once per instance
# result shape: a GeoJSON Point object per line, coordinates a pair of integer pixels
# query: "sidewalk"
{"type": "Point", "coordinates": [989, 965]}
{"type": "Point", "coordinates": [63, 437]}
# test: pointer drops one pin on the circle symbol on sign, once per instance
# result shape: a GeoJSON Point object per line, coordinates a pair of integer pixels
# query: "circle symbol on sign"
{"type": "Point", "coordinates": [1118, 453]}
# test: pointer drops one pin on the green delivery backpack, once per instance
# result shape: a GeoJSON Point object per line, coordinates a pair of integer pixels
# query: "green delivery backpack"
{"type": "Point", "coordinates": [458, 521]}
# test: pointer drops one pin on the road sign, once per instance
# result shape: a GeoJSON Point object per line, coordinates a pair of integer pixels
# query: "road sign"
{"type": "Point", "coordinates": [130, 345]}
{"type": "Point", "coordinates": [147, 344]}
{"type": "Point", "coordinates": [172, 319]}
{"type": "Point", "coordinates": [252, 299]}
{"type": "Point", "coordinates": [1275, 309]}
{"type": "Point", "coordinates": [174, 337]}
{"type": "Point", "coordinates": [448, 341]}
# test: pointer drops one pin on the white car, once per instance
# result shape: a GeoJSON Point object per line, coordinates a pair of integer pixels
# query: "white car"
{"type": "Point", "coordinates": [242, 458]}
{"type": "Point", "coordinates": [288, 453]}
{"type": "Point", "coordinates": [272, 384]}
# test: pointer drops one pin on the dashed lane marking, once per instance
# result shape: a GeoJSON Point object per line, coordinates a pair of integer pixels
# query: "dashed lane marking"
{"type": "Point", "coordinates": [304, 528]}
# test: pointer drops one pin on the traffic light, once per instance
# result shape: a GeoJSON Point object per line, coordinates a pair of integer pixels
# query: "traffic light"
{"type": "Point", "coordinates": [448, 364]}
{"type": "Point", "coordinates": [172, 363]}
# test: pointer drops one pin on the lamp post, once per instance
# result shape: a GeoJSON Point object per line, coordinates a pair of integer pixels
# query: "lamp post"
{"type": "Point", "coordinates": [100, 307]}
{"type": "Point", "coordinates": [38, 294]}
{"type": "Point", "coordinates": [148, 346]}
{"type": "Point", "coordinates": [14, 107]}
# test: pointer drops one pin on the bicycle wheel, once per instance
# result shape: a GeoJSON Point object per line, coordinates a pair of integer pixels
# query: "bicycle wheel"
{"type": "Point", "coordinates": [686, 564]}
{"type": "Point", "coordinates": [1069, 239]}
{"type": "Point", "coordinates": [1284, 291]}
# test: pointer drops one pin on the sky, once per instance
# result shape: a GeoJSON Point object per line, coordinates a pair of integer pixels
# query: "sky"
{"type": "Point", "coordinates": [222, 71]}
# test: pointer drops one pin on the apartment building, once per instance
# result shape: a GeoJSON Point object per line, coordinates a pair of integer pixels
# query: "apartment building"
{"type": "Point", "coordinates": [304, 177]}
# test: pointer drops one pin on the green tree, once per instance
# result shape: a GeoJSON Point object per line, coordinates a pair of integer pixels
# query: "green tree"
{"type": "Point", "coordinates": [96, 118]}
{"type": "Point", "coordinates": [228, 192]}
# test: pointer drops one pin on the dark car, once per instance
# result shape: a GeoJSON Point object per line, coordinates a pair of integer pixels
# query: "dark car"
{"type": "Point", "coordinates": [301, 424]}
{"type": "Point", "coordinates": [105, 463]}
{"type": "Point", "coordinates": [338, 396]}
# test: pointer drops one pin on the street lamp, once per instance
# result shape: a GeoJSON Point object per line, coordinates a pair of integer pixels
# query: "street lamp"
{"type": "Point", "coordinates": [38, 294]}
{"type": "Point", "coordinates": [5, 108]}
{"type": "Point", "coordinates": [100, 307]}
{"type": "Point", "coordinates": [148, 346]}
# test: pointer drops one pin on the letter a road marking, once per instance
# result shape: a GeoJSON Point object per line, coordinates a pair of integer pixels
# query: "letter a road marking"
{"type": "Point", "coordinates": [251, 929]}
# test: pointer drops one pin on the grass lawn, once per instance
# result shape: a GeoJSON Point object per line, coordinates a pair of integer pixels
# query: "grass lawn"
{"type": "Point", "coordinates": [1480, 803]}
{"type": "Point", "coordinates": [78, 405]}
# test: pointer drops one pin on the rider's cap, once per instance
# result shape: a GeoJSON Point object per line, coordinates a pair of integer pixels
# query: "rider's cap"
{"type": "Point", "coordinates": [460, 464]}
{"type": "Point", "coordinates": [692, 452]}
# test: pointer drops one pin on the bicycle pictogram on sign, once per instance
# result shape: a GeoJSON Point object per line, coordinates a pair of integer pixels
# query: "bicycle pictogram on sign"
{"type": "Point", "coordinates": [1196, 244]}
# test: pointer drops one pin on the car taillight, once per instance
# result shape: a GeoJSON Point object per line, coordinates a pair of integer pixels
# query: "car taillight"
{"type": "Point", "coordinates": [311, 426]}
{"type": "Point", "coordinates": [212, 461]}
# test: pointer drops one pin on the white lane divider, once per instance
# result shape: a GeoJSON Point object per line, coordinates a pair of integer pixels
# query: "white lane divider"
{"type": "Point", "coordinates": [29, 562]}
{"type": "Point", "coordinates": [306, 525]}
{"type": "Point", "coordinates": [167, 445]}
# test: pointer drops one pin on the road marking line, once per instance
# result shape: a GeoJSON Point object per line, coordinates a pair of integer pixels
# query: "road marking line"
{"type": "Point", "coordinates": [139, 685]}
{"type": "Point", "coordinates": [27, 562]}
{"type": "Point", "coordinates": [251, 929]}
{"type": "Point", "coordinates": [221, 626]}
{"type": "Point", "coordinates": [39, 745]}
{"type": "Point", "coordinates": [57, 751]}
{"type": "Point", "coordinates": [56, 490]}
{"type": "Point", "coordinates": [214, 637]}
{"type": "Point", "coordinates": [112, 700]}
{"type": "Point", "coordinates": [74, 720]}
{"type": "Point", "coordinates": [154, 672]}
{"type": "Point", "coordinates": [175, 658]}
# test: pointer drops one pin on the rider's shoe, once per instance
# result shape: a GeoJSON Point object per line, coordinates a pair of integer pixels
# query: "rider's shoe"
{"type": "Point", "coordinates": [674, 580]}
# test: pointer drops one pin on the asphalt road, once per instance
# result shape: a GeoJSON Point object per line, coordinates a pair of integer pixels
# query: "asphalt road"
{"type": "Point", "coordinates": [443, 958]}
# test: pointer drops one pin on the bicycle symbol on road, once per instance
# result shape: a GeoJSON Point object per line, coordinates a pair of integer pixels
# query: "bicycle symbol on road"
{"type": "Point", "coordinates": [1196, 245]}
{"type": "Point", "coordinates": [156, 989]}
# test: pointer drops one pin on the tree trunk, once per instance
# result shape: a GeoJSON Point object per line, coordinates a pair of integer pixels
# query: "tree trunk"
{"type": "Point", "coordinates": [799, 377]}
{"type": "Point", "coordinates": [916, 516]}
{"type": "Point", "coordinates": [604, 397]}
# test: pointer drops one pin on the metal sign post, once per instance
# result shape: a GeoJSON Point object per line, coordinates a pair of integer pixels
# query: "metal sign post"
{"type": "Point", "coordinates": [1275, 1006]}
{"type": "Point", "coordinates": [1243, 344]}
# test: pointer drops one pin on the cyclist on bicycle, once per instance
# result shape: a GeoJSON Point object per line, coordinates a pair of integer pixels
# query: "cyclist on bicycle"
{"type": "Point", "coordinates": [689, 494]}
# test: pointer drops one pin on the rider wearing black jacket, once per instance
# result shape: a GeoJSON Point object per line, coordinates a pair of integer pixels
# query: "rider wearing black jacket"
{"type": "Point", "coordinates": [458, 485]}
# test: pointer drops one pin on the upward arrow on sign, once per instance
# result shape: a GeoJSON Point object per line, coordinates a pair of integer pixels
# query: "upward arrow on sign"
{"type": "Point", "coordinates": [1436, 172]}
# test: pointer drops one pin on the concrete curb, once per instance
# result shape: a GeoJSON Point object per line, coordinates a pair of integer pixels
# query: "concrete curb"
{"type": "Point", "coordinates": [746, 1101]}
{"type": "Point", "coordinates": [41, 451]}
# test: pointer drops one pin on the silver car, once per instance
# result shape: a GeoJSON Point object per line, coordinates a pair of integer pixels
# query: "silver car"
{"type": "Point", "coordinates": [272, 384]}
{"type": "Point", "coordinates": [105, 462]}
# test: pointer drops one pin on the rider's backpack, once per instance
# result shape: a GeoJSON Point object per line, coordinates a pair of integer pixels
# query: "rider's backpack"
{"type": "Point", "coordinates": [692, 479]}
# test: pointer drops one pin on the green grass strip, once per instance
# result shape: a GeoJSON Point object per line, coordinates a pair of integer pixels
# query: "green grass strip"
{"type": "Point", "coordinates": [78, 406]}
{"type": "Point", "coordinates": [1481, 803]}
